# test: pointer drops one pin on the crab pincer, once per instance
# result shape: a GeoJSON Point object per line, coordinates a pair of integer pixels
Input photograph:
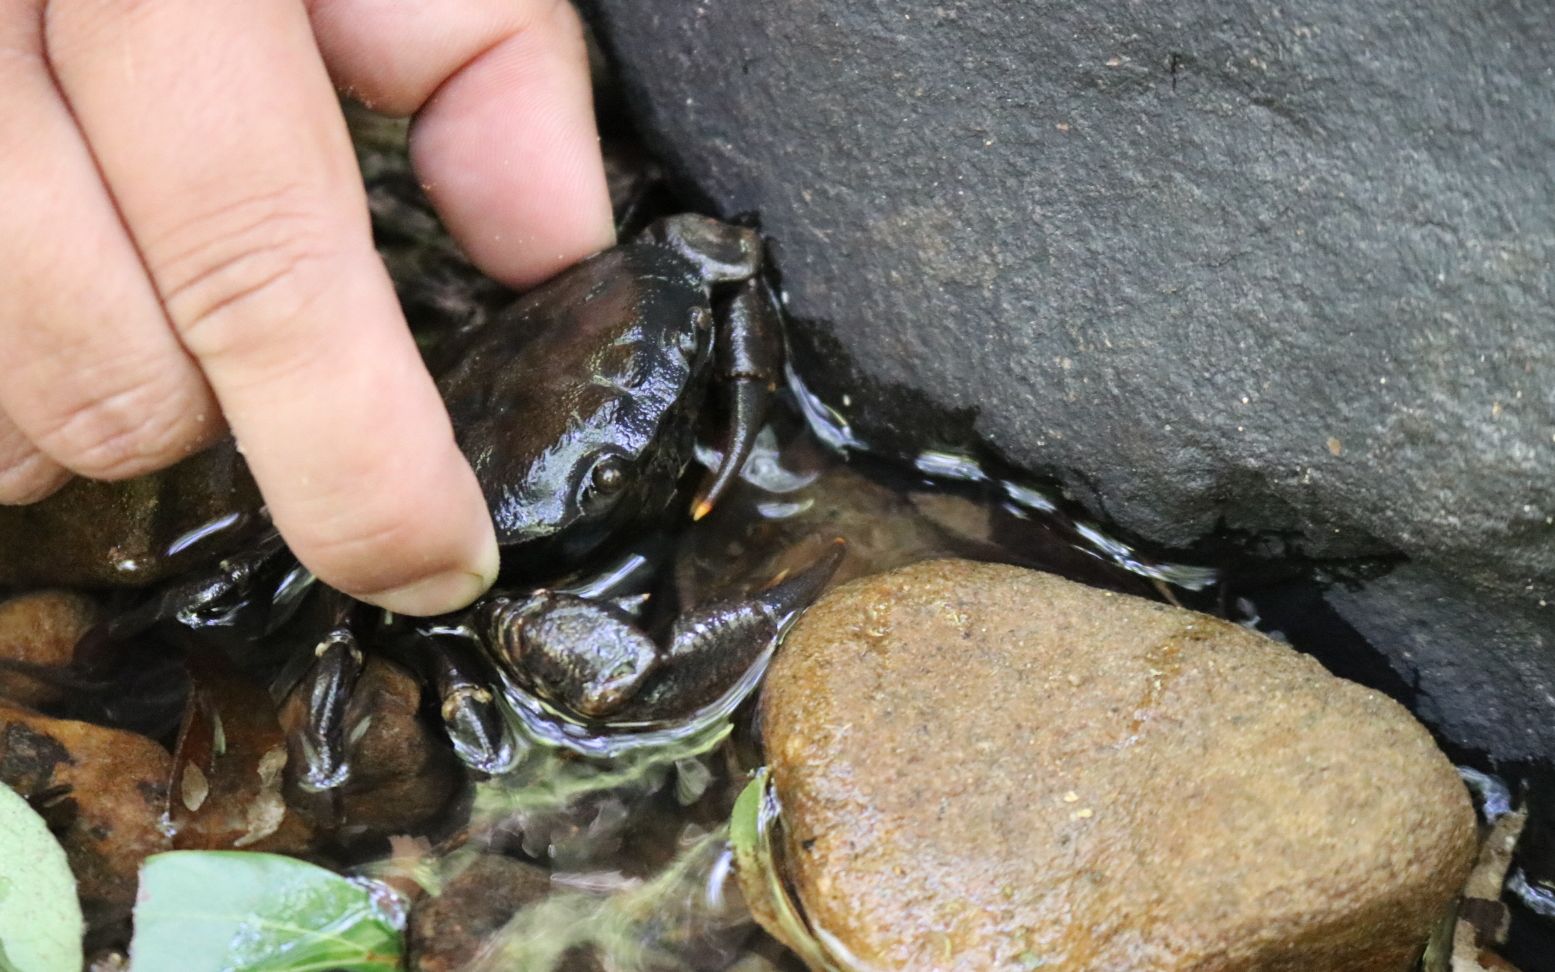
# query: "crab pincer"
{"type": "Point", "coordinates": [590, 658]}
{"type": "Point", "coordinates": [748, 343]}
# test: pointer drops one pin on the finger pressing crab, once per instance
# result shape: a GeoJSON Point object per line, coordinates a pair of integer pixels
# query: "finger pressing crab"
{"type": "Point", "coordinates": [578, 408]}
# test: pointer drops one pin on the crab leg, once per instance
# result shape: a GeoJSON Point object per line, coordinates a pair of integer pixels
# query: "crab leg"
{"type": "Point", "coordinates": [749, 364]}
{"type": "Point", "coordinates": [474, 721]}
{"type": "Point", "coordinates": [211, 598]}
{"type": "Point", "coordinates": [337, 662]}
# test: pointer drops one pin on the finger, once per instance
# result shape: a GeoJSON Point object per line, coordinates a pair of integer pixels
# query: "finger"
{"type": "Point", "coordinates": [89, 370]}
{"type": "Point", "coordinates": [26, 474]}
{"type": "Point", "coordinates": [504, 139]}
{"type": "Point", "coordinates": [249, 213]}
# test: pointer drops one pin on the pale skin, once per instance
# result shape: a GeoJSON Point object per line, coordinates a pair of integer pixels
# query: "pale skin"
{"type": "Point", "coordinates": [186, 251]}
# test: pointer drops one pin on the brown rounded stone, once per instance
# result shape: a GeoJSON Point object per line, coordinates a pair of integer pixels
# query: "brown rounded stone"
{"type": "Point", "coordinates": [450, 930]}
{"type": "Point", "coordinates": [102, 791]}
{"type": "Point", "coordinates": [130, 532]}
{"type": "Point", "coordinates": [40, 628]}
{"type": "Point", "coordinates": [986, 767]}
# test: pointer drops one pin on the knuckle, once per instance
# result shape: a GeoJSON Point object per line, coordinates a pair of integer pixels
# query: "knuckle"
{"type": "Point", "coordinates": [29, 478]}
{"type": "Point", "coordinates": [231, 277]}
{"type": "Point", "coordinates": [135, 430]}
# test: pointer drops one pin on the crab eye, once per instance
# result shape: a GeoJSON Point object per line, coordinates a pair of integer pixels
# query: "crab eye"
{"type": "Point", "coordinates": [604, 482]}
{"type": "Point", "coordinates": [608, 476]}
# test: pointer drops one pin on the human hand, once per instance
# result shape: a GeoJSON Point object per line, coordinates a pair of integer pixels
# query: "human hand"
{"type": "Point", "coordinates": [187, 248]}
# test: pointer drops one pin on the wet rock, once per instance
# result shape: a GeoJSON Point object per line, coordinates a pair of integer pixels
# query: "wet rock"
{"type": "Point", "coordinates": [982, 766]}
{"type": "Point", "coordinates": [102, 792]}
{"type": "Point", "coordinates": [403, 773]}
{"type": "Point", "coordinates": [1482, 671]}
{"type": "Point", "coordinates": [448, 930]}
{"type": "Point", "coordinates": [127, 533]}
{"type": "Point", "coordinates": [40, 628]}
{"type": "Point", "coordinates": [1282, 270]}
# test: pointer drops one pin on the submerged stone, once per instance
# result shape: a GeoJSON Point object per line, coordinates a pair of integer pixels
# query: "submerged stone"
{"type": "Point", "coordinates": [133, 532]}
{"type": "Point", "coordinates": [458, 927]}
{"type": "Point", "coordinates": [40, 629]}
{"type": "Point", "coordinates": [103, 793]}
{"type": "Point", "coordinates": [986, 767]}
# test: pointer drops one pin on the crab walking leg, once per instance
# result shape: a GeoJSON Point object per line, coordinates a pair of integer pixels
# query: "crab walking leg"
{"type": "Point", "coordinates": [479, 732]}
{"type": "Point", "coordinates": [211, 598]}
{"type": "Point", "coordinates": [711, 646]}
{"type": "Point", "coordinates": [337, 663]}
{"type": "Point", "coordinates": [748, 358]}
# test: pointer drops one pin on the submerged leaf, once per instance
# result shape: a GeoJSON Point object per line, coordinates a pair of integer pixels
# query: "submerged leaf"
{"type": "Point", "coordinates": [40, 917]}
{"type": "Point", "coordinates": [681, 918]}
{"type": "Point", "coordinates": [225, 789]}
{"type": "Point", "coordinates": [753, 826]}
{"type": "Point", "coordinates": [215, 911]}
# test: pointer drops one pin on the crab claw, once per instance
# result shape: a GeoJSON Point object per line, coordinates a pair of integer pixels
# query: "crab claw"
{"type": "Point", "coordinates": [792, 591]}
{"type": "Point", "coordinates": [749, 364]}
{"type": "Point", "coordinates": [713, 646]}
{"type": "Point", "coordinates": [720, 252]}
{"type": "Point", "coordinates": [587, 655]}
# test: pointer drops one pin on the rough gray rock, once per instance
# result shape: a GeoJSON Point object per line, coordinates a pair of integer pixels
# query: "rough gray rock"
{"type": "Point", "coordinates": [1482, 671]}
{"type": "Point", "coordinates": [1213, 264]}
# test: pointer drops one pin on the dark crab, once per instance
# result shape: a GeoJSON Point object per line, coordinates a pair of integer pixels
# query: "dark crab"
{"type": "Point", "coordinates": [578, 408]}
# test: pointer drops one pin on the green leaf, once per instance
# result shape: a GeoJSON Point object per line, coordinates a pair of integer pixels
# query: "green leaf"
{"type": "Point", "coordinates": [40, 917]}
{"type": "Point", "coordinates": [754, 826]}
{"type": "Point", "coordinates": [223, 911]}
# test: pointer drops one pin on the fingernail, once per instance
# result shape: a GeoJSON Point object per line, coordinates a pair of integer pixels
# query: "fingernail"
{"type": "Point", "coordinates": [448, 591]}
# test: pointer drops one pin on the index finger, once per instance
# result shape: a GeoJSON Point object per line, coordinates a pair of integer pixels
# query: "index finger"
{"type": "Point", "coordinates": [242, 195]}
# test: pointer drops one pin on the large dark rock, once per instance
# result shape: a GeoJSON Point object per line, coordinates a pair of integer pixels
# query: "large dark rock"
{"type": "Point", "coordinates": [1482, 671]}
{"type": "Point", "coordinates": [1272, 268]}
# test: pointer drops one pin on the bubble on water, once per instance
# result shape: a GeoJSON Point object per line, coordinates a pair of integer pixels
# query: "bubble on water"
{"type": "Point", "coordinates": [1182, 575]}
{"type": "Point", "coordinates": [204, 532]}
{"type": "Point", "coordinates": [1028, 498]}
{"type": "Point", "coordinates": [828, 424]}
{"type": "Point", "coordinates": [1491, 793]}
